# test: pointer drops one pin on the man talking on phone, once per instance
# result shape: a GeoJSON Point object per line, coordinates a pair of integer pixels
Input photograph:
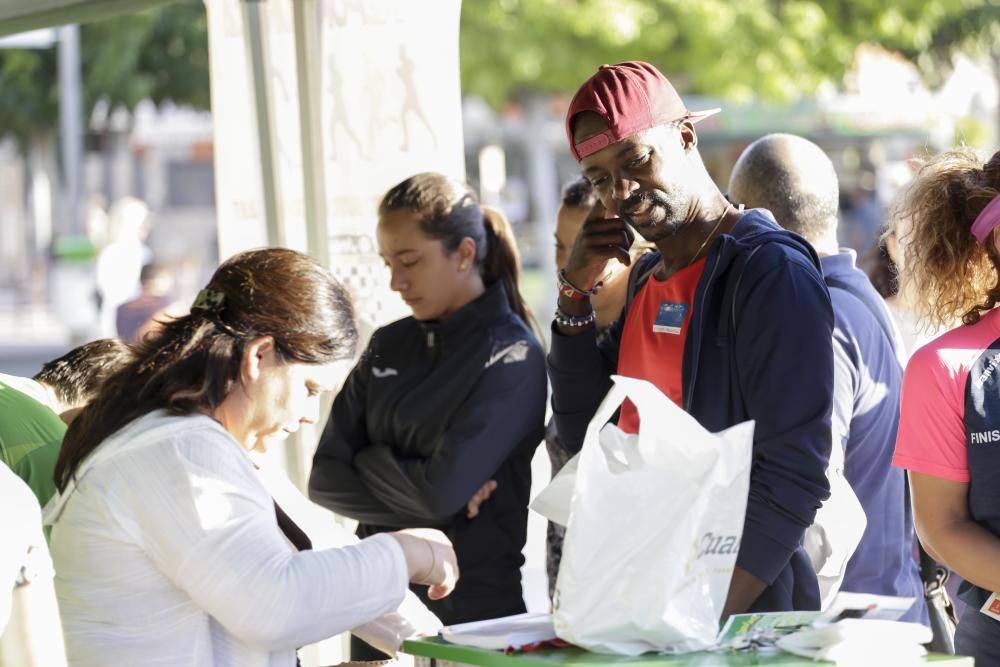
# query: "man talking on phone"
{"type": "Point", "coordinates": [730, 318]}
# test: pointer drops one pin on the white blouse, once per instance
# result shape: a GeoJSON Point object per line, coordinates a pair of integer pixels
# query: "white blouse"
{"type": "Point", "coordinates": [167, 552]}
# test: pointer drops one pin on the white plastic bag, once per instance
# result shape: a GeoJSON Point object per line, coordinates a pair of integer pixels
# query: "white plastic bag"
{"type": "Point", "coordinates": [553, 501]}
{"type": "Point", "coordinates": [836, 531]}
{"type": "Point", "coordinates": [654, 528]}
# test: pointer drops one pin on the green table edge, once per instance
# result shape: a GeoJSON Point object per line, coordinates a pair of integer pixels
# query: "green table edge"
{"type": "Point", "coordinates": [437, 648]}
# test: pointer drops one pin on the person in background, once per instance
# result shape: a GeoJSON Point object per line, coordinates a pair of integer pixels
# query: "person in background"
{"type": "Point", "coordinates": [34, 412]}
{"type": "Point", "coordinates": [915, 333]}
{"type": "Point", "coordinates": [726, 317]}
{"type": "Point", "coordinates": [120, 262]}
{"type": "Point", "coordinates": [863, 216]}
{"type": "Point", "coordinates": [134, 318]}
{"type": "Point", "coordinates": [30, 631]}
{"type": "Point", "coordinates": [578, 200]}
{"type": "Point", "coordinates": [437, 424]}
{"type": "Point", "coordinates": [167, 544]}
{"type": "Point", "coordinates": [949, 427]}
{"type": "Point", "coordinates": [795, 180]}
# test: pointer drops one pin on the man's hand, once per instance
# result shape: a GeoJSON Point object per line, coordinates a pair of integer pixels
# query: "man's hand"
{"type": "Point", "coordinates": [480, 497]}
{"type": "Point", "coordinates": [600, 240]}
{"type": "Point", "coordinates": [744, 589]}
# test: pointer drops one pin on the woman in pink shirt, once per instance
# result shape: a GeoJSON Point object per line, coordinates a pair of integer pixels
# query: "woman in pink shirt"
{"type": "Point", "coordinates": [949, 429]}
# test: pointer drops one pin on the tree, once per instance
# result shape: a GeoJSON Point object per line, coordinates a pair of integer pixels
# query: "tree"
{"type": "Point", "coordinates": [975, 32]}
{"type": "Point", "coordinates": [159, 54]}
{"type": "Point", "coordinates": [738, 49]}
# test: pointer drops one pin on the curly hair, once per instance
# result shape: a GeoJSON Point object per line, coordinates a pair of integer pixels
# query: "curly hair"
{"type": "Point", "coordinates": [947, 274]}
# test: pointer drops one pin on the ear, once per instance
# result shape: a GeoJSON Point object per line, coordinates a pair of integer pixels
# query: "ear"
{"type": "Point", "coordinates": [258, 354]}
{"type": "Point", "coordinates": [466, 252]}
{"type": "Point", "coordinates": [689, 138]}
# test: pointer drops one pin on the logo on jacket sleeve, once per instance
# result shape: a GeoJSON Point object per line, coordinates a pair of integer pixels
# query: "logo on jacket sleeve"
{"type": "Point", "coordinates": [384, 372]}
{"type": "Point", "coordinates": [984, 437]}
{"type": "Point", "coordinates": [511, 354]}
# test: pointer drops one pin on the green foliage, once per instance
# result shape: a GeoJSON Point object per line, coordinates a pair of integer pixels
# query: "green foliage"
{"type": "Point", "coordinates": [159, 54]}
{"type": "Point", "coordinates": [738, 49]}
{"type": "Point", "coordinates": [970, 132]}
{"type": "Point", "coordinates": [28, 94]}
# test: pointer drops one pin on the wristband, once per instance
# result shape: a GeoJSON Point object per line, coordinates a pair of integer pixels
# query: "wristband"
{"type": "Point", "coordinates": [566, 320]}
{"type": "Point", "coordinates": [569, 290]}
{"type": "Point", "coordinates": [426, 578]}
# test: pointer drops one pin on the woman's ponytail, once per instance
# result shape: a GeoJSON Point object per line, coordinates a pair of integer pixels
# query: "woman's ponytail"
{"type": "Point", "coordinates": [947, 275]}
{"type": "Point", "coordinates": [503, 261]}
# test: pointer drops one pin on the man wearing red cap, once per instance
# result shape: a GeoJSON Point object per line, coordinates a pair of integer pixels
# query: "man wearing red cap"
{"type": "Point", "coordinates": [731, 318]}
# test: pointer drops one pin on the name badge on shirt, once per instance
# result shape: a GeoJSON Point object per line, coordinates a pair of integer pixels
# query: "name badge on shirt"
{"type": "Point", "coordinates": [992, 607]}
{"type": "Point", "coordinates": [670, 317]}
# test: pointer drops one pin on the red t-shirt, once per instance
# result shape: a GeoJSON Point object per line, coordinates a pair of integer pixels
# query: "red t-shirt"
{"type": "Point", "coordinates": [652, 343]}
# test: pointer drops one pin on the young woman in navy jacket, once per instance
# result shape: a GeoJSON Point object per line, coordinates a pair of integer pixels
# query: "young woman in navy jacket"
{"type": "Point", "coordinates": [437, 424]}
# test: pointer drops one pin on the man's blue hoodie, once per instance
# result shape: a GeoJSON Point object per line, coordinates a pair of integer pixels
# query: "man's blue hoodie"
{"type": "Point", "coordinates": [759, 347]}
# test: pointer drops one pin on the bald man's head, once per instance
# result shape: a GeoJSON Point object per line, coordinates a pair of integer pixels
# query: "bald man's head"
{"type": "Point", "coordinates": [794, 179]}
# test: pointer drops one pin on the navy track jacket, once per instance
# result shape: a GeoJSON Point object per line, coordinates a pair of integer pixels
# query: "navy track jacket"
{"type": "Point", "coordinates": [760, 348]}
{"type": "Point", "coordinates": [430, 413]}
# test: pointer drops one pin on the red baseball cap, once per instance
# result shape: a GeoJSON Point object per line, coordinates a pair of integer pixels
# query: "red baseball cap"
{"type": "Point", "coordinates": [631, 97]}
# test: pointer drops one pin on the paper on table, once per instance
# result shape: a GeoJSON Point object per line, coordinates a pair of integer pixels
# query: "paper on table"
{"type": "Point", "coordinates": [501, 633]}
{"type": "Point", "coordinates": [867, 606]}
{"type": "Point", "coordinates": [860, 641]}
{"type": "Point", "coordinates": [740, 627]}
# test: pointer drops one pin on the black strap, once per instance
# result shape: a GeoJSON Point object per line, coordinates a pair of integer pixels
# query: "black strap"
{"type": "Point", "coordinates": [637, 279]}
{"type": "Point", "coordinates": [295, 535]}
{"type": "Point", "coordinates": [928, 566]}
{"type": "Point", "coordinates": [729, 301]}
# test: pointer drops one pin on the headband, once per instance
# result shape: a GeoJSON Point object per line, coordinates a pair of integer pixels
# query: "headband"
{"type": "Point", "coordinates": [987, 220]}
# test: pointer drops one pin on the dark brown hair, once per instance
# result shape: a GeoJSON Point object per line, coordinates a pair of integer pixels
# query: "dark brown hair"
{"type": "Point", "coordinates": [192, 363]}
{"type": "Point", "coordinates": [76, 376]}
{"type": "Point", "coordinates": [881, 270]}
{"type": "Point", "coordinates": [579, 193]}
{"type": "Point", "coordinates": [947, 274]}
{"type": "Point", "coordinates": [449, 211]}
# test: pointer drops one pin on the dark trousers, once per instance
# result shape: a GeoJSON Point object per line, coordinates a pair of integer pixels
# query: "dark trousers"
{"type": "Point", "coordinates": [978, 636]}
{"type": "Point", "coordinates": [362, 650]}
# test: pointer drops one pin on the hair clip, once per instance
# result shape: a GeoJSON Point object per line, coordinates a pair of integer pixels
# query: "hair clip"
{"type": "Point", "coordinates": [209, 301]}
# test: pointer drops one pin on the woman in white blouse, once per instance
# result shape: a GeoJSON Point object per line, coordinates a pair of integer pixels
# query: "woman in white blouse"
{"type": "Point", "coordinates": [167, 547]}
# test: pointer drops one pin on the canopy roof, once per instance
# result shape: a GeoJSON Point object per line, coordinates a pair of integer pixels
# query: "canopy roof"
{"type": "Point", "coordinates": [22, 15]}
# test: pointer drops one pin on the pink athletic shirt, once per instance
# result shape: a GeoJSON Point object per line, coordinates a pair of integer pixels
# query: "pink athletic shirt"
{"type": "Point", "coordinates": [933, 438]}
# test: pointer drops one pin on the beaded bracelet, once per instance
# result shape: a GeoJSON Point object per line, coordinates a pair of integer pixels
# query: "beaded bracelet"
{"type": "Point", "coordinates": [568, 289]}
{"type": "Point", "coordinates": [564, 319]}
